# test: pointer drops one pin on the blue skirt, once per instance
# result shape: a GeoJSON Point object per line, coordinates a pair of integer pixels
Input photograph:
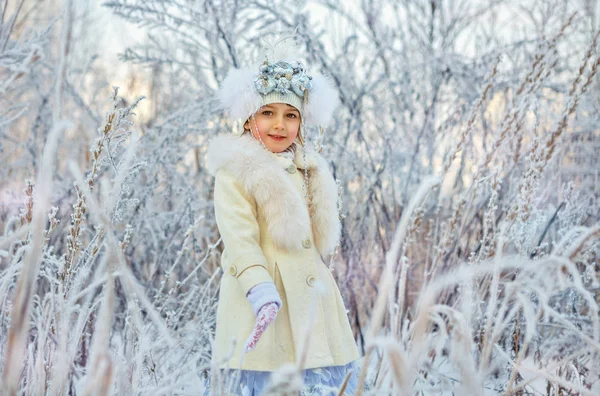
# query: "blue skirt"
{"type": "Point", "coordinates": [322, 381]}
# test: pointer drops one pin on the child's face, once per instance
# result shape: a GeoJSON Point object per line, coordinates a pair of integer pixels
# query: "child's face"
{"type": "Point", "coordinates": [278, 125]}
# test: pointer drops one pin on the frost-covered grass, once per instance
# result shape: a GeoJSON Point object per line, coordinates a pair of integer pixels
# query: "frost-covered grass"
{"type": "Point", "coordinates": [469, 184]}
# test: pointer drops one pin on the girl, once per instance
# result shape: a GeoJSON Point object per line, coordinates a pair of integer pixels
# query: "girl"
{"type": "Point", "coordinates": [276, 209]}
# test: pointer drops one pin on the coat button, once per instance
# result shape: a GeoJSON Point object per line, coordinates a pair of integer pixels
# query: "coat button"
{"type": "Point", "coordinates": [310, 280]}
{"type": "Point", "coordinates": [233, 270]}
{"type": "Point", "coordinates": [306, 243]}
{"type": "Point", "coordinates": [291, 169]}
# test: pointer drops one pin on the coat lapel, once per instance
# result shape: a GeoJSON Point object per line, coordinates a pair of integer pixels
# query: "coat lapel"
{"type": "Point", "coordinates": [262, 177]}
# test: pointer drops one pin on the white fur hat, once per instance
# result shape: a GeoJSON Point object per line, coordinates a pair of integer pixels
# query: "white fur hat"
{"type": "Point", "coordinates": [244, 91]}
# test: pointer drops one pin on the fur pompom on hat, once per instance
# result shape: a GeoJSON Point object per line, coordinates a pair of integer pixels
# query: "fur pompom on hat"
{"type": "Point", "coordinates": [238, 95]}
{"type": "Point", "coordinates": [244, 91]}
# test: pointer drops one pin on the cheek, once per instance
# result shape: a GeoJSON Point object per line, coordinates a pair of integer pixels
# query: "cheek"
{"type": "Point", "coordinates": [293, 134]}
{"type": "Point", "coordinates": [263, 126]}
{"type": "Point", "coordinates": [293, 128]}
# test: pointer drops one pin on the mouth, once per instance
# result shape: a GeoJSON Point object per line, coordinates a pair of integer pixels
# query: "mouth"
{"type": "Point", "coordinates": [277, 137]}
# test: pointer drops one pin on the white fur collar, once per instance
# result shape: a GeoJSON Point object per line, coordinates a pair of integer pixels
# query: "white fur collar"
{"type": "Point", "coordinates": [262, 176]}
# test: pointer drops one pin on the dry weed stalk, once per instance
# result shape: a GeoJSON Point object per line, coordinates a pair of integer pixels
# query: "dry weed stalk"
{"type": "Point", "coordinates": [25, 217]}
{"type": "Point", "coordinates": [174, 285]}
{"type": "Point", "coordinates": [70, 313]}
{"type": "Point", "coordinates": [27, 212]}
{"type": "Point", "coordinates": [113, 120]}
{"type": "Point", "coordinates": [126, 237]}
{"type": "Point", "coordinates": [345, 384]}
{"type": "Point", "coordinates": [53, 222]}
{"type": "Point", "coordinates": [399, 365]}
{"type": "Point", "coordinates": [540, 153]}
{"type": "Point", "coordinates": [19, 322]}
{"type": "Point", "coordinates": [578, 245]}
{"type": "Point", "coordinates": [511, 126]}
{"type": "Point", "coordinates": [486, 246]}
{"type": "Point", "coordinates": [130, 284]}
{"type": "Point", "coordinates": [572, 104]}
{"type": "Point", "coordinates": [99, 370]}
{"type": "Point", "coordinates": [387, 278]}
{"type": "Point", "coordinates": [73, 237]}
{"type": "Point", "coordinates": [514, 302]}
{"type": "Point", "coordinates": [479, 104]}
{"type": "Point", "coordinates": [401, 278]}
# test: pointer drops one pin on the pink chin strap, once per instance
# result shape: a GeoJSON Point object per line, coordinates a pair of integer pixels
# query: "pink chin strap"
{"type": "Point", "coordinates": [258, 132]}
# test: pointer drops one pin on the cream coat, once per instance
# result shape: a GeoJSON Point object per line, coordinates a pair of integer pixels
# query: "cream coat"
{"type": "Point", "coordinates": [269, 235]}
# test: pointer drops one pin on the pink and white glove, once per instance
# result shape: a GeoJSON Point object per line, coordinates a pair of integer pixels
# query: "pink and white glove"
{"type": "Point", "coordinates": [266, 316]}
{"type": "Point", "coordinates": [265, 302]}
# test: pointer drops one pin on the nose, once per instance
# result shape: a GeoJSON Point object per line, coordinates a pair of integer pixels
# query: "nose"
{"type": "Point", "coordinates": [278, 123]}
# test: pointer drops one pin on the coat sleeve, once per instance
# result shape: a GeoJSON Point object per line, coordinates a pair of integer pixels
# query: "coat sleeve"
{"type": "Point", "coordinates": [235, 213]}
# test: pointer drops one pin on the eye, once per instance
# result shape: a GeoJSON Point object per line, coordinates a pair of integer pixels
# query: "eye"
{"type": "Point", "coordinates": [267, 112]}
{"type": "Point", "coordinates": [292, 115]}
